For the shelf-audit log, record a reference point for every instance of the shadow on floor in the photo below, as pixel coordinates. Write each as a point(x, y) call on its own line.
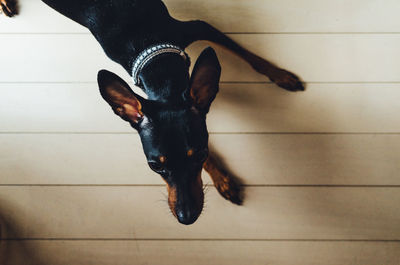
point(13, 249)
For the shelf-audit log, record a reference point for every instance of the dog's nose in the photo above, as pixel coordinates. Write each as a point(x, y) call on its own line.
point(186, 217)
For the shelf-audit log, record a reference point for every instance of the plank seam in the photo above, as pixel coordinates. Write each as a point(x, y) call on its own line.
point(395, 186)
point(236, 33)
point(211, 133)
point(223, 82)
point(205, 239)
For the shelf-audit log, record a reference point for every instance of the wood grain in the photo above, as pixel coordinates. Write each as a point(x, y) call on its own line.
point(256, 159)
point(240, 16)
point(199, 253)
point(239, 108)
point(290, 213)
point(315, 58)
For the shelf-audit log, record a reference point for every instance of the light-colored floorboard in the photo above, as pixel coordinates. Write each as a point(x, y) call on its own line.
point(142, 213)
point(315, 58)
point(199, 253)
point(239, 108)
point(240, 16)
point(257, 159)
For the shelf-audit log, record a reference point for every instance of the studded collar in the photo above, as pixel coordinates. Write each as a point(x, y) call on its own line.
point(149, 54)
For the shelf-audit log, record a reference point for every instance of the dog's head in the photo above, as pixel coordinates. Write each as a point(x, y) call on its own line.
point(174, 136)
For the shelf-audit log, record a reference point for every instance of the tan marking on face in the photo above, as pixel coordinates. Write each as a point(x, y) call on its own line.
point(196, 189)
point(163, 159)
point(190, 152)
point(172, 199)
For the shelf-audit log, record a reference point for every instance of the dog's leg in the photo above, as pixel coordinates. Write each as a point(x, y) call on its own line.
point(226, 185)
point(8, 7)
point(200, 30)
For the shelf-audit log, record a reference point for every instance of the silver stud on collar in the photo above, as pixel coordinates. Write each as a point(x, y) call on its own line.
point(149, 54)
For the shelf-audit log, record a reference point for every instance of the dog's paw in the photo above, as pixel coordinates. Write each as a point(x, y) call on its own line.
point(287, 80)
point(230, 190)
point(8, 7)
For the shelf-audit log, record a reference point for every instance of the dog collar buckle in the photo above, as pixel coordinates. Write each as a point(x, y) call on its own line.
point(149, 54)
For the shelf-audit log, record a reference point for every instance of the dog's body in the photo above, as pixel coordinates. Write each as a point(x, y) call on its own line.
point(171, 122)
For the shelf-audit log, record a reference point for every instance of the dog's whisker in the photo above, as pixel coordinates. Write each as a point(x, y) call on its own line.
point(206, 188)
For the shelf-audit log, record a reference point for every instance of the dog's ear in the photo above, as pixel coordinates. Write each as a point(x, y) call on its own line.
point(120, 96)
point(204, 82)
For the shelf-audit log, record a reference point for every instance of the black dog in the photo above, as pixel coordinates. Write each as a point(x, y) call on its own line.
point(142, 37)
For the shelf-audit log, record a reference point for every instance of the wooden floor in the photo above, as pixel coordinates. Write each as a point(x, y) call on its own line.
point(321, 168)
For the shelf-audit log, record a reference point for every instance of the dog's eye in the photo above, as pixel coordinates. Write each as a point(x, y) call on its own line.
point(156, 167)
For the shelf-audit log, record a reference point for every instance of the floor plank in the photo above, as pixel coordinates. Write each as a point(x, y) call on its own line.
point(198, 253)
point(315, 58)
point(290, 213)
point(239, 108)
point(240, 16)
point(257, 159)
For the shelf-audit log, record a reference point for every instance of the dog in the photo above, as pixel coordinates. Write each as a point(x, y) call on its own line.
point(141, 36)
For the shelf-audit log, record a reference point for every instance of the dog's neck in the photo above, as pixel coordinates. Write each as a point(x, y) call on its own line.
point(149, 54)
point(165, 78)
